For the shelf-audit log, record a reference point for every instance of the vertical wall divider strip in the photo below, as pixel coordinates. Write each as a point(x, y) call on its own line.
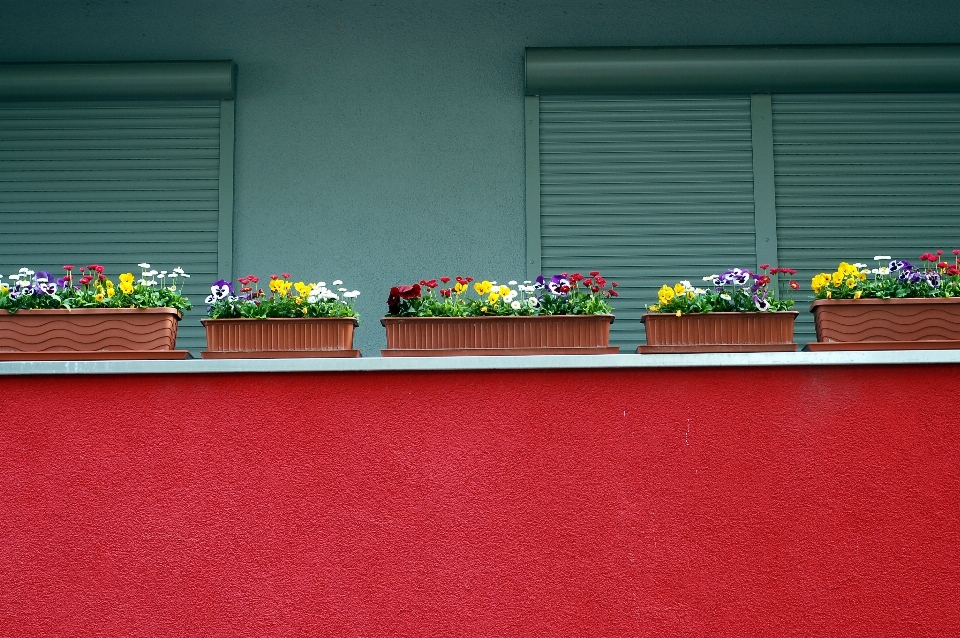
point(764, 192)
point(225, 216)
point(532, 118)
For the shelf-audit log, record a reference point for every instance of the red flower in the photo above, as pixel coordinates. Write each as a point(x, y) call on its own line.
point(595, 288)
point(575, 277)
point(445, 280)
point(588, 282)
point(68, 268)
point(791, 271)
point(953, 271)
point(942, 264)
point(957, 251)
point(444, 292)
point(594, 272)
point(614, 284)
point(243, 280)
point(85, 280)
point(763, 280)
point(600, 281)
point(939, 252)
point(423, 282)
point(469, 279)
point(272, 277)
point(795, 285)
point(102, 277)
point(764, 266)
point(253, 279)
point(408, 292)
point(564, 288)
point(285, 275)
point(613, 293)
point(432, 284)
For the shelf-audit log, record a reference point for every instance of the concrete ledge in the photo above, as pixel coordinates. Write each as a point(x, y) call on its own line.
point(377, 364)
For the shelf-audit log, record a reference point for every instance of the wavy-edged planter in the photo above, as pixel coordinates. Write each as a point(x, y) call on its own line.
point(886, 324)
point(719, 332)
point(280, 338)
point(483, 336)
point(89, 334)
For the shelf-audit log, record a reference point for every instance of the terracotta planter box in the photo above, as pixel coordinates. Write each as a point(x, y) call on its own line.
point(886, 324)
point(473, 336)
point(719, 332)
point(279, 338)
point(89, 333)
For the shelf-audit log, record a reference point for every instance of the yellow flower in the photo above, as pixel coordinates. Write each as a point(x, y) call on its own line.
point(504, 291)
point(493, 297)
point(302, 289)
point(837, 278)
point(304, 311)
point(459, 288)
point(4, 288)
point(851, 282)
point(690, 295)
point(678, 288)
point(300, 301)
point(829, 294)
point(483, 287)
point(110, 291)
point(99, 297)
point(818, 282)
point(679, 313)
point(483, 309)
point(857, 294)
point(126, 278)
point(666, 294)
point(279, 286)
point(654, 308)
point(126, 287)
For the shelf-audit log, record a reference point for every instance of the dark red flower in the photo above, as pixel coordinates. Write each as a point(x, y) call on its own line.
point(253, 279)
point(575, 277)
point(68, 267)
point(272, 277)
point(102, 277)
point(614, 284)
point(588, 282)
point(764, 266)
point(432, 284)
point(939, 252)
point(600, 281)
point(564, 288)
point(953, 271)
point(423, 282)
point(595, 288)
point(445, 280)
point(942, 264)
point(613, 293)
point(795, 285)
point(408, 292)
point(469, 279)
point(594, 272)
point(85, 280)
point(444, 292)
point(956, 251)
point(285, 275)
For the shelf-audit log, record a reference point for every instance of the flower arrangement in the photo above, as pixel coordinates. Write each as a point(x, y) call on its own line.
point(563, 294)
point(252, 302)
point(891, 279)
point(736, 290)
point(31, 290)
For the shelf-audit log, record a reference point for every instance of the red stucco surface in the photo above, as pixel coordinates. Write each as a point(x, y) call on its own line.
point(819, 501)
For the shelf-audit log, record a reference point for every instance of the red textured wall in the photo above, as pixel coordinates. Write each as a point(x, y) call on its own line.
point(683, 502)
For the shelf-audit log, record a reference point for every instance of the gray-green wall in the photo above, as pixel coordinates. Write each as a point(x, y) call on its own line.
point(379, 142)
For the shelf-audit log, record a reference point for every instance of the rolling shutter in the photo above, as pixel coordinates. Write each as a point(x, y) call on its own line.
point(648, 190)
point(860, 175)
point(115, 183)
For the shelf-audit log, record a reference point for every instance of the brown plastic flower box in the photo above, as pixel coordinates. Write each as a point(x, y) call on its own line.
point(886, 324)
point(486, 336)
point(89, 334)
point(719, 332)
point(280, 338)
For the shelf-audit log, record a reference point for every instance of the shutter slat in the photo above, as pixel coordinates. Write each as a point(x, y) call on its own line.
point(859, 175)
point(648, 190)
point(116, 184)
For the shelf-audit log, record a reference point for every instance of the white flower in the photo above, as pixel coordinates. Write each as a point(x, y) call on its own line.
point(321, 284)
point(144, 265)
point(527, 281)
point(163, 273)
point(24, 271)
point(511, 283)
point(178, 270)
point(337, 282)
point(515, 305)
point(883, 258)
point(533, 301)
point(14, 277)
point(710, 277)
point(151, 273)
point(699, 291)
point(725, 296)
point(860, 266)
point(510, 296)
point(352, 294)
point(185, 275)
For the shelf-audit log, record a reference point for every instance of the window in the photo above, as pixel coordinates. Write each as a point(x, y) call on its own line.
point(119, 164)
point(656, 165)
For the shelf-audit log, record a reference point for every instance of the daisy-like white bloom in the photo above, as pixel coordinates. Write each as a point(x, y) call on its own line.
point(144, 265)
point(511, 283)
point(352, 294)
point(533, 301)
point(515, 305)
point(337, 283)
point(725, 297)
point(883, 258)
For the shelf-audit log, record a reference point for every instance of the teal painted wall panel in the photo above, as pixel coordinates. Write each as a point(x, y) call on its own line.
point(381, 142)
